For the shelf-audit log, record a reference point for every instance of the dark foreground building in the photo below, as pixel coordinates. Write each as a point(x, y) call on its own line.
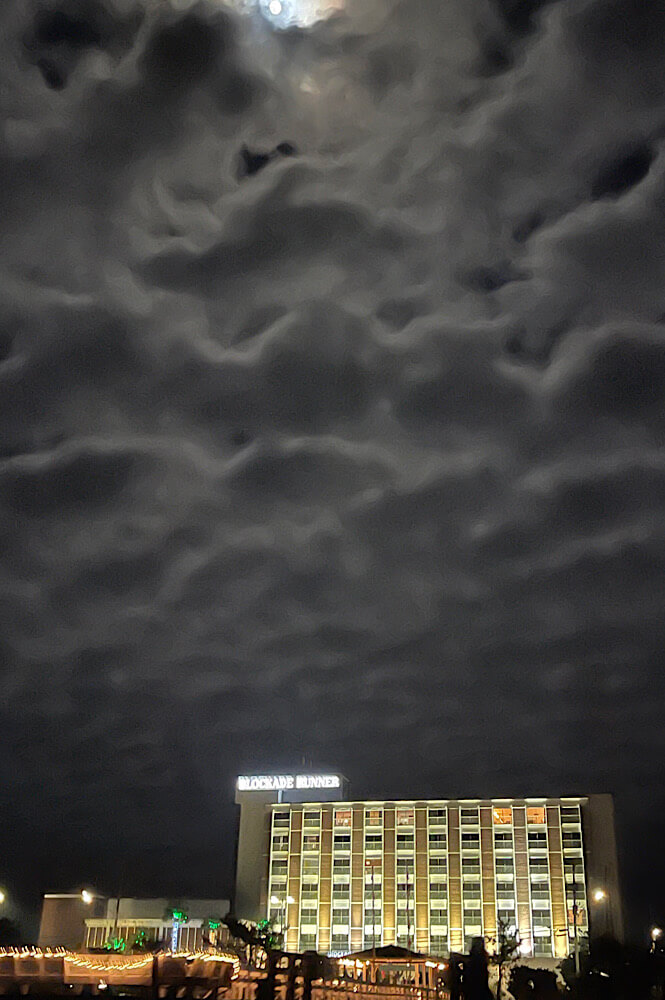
point(340, 875)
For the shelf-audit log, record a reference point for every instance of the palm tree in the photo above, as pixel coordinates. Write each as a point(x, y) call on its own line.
point(508, 944)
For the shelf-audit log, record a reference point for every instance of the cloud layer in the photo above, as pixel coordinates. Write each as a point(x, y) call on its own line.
point(357, 459)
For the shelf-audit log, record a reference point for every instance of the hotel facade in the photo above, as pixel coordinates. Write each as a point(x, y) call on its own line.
point(340, 876)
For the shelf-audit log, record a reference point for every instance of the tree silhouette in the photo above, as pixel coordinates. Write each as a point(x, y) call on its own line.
point(507, 946)
point(532, 984)
point(613, 971)
point(475, 983)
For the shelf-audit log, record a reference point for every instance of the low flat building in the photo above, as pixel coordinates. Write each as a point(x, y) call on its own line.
point(200, 923)
point(343, 875)
point(88, 921)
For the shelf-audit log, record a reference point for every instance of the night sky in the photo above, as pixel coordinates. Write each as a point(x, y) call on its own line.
point(356, 458)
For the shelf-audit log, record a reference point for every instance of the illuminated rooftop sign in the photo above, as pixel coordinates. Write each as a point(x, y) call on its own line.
point(283, 782)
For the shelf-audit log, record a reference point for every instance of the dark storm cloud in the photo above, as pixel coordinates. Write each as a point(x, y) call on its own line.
point(359, 457)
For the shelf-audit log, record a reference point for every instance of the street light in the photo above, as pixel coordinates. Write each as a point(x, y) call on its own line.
point(599, 895)
point(3, 897)
point(87, 896)
point(656, 933)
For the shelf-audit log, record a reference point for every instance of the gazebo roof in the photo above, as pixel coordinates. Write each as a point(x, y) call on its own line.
point(387, 953)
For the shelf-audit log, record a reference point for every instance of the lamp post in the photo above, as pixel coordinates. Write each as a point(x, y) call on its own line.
point(656, 934)
point(3, 896)
point(373, 863)
point(599, 897)
point(576, 939)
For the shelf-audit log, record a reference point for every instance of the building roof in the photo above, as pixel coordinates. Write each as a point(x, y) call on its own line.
point(388, 953)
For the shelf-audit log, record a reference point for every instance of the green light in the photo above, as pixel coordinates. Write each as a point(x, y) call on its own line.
point(115, 944)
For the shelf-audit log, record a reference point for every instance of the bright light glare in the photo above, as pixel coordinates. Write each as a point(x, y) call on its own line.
point(599, 895)
point(86, 896)
point(275, 900)
point(292, 13)
point(656, 932)
point(290, 899)
point(2, 896)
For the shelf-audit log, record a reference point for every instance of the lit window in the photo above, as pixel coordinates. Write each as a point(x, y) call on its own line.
point(535, 815)
point(404, 817)
point(343, 817)
point(503, 816)
point(373, 817)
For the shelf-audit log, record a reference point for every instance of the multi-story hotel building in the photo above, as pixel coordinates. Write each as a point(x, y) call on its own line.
point(340, 876)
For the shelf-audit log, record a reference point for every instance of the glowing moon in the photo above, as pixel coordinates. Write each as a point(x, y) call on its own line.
point(299, 13)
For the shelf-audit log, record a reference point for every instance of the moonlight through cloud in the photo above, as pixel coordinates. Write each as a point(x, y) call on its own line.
point(332, 385)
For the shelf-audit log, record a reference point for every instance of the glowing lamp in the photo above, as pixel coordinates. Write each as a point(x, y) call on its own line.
point(87, 897)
